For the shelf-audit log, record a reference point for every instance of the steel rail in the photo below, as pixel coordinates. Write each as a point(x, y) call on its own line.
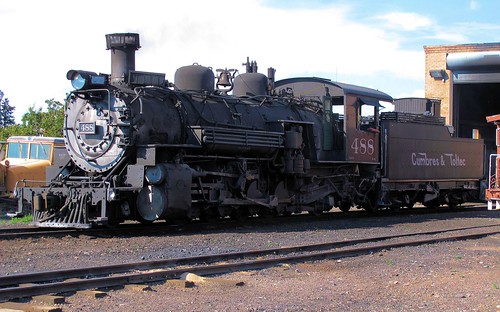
point(158, 275)
point(29, 232)
point(19, 232)
point(34, 277)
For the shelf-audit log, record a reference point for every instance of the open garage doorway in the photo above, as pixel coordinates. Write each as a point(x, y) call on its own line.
point(472, 102)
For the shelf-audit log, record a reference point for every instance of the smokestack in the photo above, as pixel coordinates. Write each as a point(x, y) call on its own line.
point(123, 47)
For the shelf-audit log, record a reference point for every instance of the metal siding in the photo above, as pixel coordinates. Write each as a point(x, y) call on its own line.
point(410, 105)
point(416, 152)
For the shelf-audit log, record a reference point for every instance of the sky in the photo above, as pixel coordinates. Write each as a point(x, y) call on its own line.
point(376, 44)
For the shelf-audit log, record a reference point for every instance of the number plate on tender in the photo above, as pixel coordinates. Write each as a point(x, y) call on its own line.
point(86, 127)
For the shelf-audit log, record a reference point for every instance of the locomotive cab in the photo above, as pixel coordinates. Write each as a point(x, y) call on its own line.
point(350, 125)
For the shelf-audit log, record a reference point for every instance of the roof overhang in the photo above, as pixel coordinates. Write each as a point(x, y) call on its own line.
point(346, 88)
point(474, 67)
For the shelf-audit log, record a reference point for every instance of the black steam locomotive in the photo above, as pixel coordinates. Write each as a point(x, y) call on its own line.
point(145, 149)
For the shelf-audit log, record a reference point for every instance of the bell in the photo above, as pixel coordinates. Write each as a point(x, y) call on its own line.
point(224, 79)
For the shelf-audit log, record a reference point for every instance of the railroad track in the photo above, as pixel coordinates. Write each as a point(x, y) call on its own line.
point(70, 280)
point(20, 232)
point(164, 228)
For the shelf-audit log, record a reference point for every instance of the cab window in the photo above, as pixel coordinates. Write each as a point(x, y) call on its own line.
point(17, 150)
point(367, 111)
point(40, 151)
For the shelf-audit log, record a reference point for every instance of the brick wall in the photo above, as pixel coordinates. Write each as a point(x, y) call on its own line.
point(435, 58)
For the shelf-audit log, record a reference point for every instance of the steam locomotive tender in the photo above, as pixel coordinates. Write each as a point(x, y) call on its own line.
point(145, 149)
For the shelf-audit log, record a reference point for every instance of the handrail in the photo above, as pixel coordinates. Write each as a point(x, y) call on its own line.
point(490, 176)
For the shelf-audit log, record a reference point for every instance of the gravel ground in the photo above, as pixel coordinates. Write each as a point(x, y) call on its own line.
point(451, 276)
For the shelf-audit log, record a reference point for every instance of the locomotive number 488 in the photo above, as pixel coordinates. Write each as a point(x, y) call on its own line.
point(363, 146)
point(87, 127)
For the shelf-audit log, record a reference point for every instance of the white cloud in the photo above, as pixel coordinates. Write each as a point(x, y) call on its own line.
point(405, 21)
point(449, 35)
point(414, 93)
point(474, 5)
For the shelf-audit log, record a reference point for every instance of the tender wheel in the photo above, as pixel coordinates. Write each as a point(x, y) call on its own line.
point(408, 202)
point(453, 200)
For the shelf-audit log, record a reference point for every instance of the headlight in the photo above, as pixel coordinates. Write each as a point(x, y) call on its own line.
point(84, 79)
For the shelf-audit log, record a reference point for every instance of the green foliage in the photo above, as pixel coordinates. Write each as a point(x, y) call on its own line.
point(38, 122)
point(6, 113)
point(53, 120)
point(47, 123)
point(25, 219)
point(13, 130)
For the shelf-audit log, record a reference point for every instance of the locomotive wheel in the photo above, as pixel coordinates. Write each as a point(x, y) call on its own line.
point(345, 206)
point(267, 213)
point(112, 224)
point(396, 208)
point(209, 215)
point(370, 204)
point(281, 210)
point(317, 208)
point(316, 212)
point(370, 208)
point(178, 221)
point(143, 221)
point(239, 214)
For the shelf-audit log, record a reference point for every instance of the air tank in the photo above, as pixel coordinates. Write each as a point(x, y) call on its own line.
point(194, 78)
point(250, 84)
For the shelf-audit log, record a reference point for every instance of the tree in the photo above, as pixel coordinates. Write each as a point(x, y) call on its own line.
point(6, 112)
point(49, 123)
point(12, 130)
point(37, 122)
point(54, 118)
